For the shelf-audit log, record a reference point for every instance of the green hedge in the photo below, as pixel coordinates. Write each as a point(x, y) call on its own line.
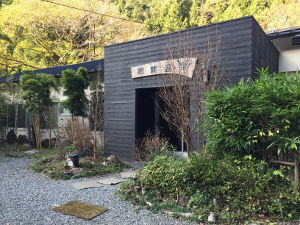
point(259, 117)
point(245, 189)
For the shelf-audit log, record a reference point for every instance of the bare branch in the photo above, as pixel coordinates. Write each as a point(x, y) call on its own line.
point(181, 98)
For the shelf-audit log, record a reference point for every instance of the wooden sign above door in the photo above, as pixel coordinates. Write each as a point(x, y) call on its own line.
point(182, 66)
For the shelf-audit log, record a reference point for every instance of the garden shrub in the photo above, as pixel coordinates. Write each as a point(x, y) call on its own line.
point(246, 126)
point(244, 189)
point(259, 117)
point(164, 176)
point(149, 146)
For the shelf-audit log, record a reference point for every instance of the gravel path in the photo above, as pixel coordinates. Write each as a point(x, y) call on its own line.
point(28, 198)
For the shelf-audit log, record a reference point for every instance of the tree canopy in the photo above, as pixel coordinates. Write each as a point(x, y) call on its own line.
point(170, 15)
point(74, 89)
point(39, 34)
point(35, 91)
point(36, 34)
point(36, 94)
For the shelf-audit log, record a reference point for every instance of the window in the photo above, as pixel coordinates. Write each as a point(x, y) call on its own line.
point(53, 117)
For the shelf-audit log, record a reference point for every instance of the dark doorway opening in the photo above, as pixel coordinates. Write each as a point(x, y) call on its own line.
point(148, 118)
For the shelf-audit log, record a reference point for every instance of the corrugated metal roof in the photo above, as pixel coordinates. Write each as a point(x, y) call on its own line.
point(296, 39)
point(285, 32)
point(91, 66)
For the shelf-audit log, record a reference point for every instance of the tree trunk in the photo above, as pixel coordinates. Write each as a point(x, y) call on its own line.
point(72, 125)
point(296, 165)
point(6, 119)
point(35, 122)
point(38, 131)
point(188, 147)
point(50, 130)
point(16, 118)
point(95, 140)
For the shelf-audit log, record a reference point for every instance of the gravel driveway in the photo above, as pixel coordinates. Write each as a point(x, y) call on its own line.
point(28, 198)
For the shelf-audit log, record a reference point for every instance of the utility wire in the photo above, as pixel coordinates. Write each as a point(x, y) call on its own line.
point(94, 12)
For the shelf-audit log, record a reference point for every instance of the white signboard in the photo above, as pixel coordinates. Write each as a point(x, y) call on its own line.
point(182, 66)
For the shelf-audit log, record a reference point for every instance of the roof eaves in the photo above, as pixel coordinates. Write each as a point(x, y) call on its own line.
point(91, 66)
point(285, 32)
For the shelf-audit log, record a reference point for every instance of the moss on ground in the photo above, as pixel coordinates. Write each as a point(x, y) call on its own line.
point(49, 162)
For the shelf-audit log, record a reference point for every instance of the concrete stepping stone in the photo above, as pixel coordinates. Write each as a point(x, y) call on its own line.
point(85, 185)
point(31, 152)
point(111, 181)
point(128, 174)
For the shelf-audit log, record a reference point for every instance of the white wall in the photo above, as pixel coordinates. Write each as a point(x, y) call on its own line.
point(289, 55)
point(289, 60)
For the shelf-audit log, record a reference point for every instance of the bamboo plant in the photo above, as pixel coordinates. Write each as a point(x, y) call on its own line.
point(35, 92)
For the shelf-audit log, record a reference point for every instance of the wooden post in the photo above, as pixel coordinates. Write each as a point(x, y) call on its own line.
point(296, 168)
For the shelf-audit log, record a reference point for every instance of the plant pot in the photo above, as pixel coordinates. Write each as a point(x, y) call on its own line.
point(75, 159)
point(181, 155)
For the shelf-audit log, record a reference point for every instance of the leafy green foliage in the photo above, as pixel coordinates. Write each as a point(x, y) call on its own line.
point(5, 2)
point(36, 35)
point(35, 91)
point(42, 34)
point(259, 117)
point(71, 149)
point(244, 189)
point(170, 15)
point(74, 88)
point(165, 176)
point(55, 169)
point(246, 124)
point(50, 163)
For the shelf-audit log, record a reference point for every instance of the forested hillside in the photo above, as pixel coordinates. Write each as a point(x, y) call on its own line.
point(37, 33)
point(171, 15)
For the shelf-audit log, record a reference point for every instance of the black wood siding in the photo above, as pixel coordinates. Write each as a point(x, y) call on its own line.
point(243, 47)
point(264, 53)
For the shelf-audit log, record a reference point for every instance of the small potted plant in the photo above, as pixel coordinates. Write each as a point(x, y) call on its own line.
point(73, 156)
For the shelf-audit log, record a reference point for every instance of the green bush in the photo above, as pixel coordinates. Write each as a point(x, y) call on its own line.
point(244, 189)
point(54, 167)
point(259, 117)
point(247, 125)
point(164, 175)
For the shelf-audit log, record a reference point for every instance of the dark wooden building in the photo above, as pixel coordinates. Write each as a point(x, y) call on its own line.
point(243, 47)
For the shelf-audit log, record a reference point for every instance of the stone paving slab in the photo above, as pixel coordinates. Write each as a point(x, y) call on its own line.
point(86, 185)
point(111, 181)
point(31, 152)
point(28, 198)
point(128, 174)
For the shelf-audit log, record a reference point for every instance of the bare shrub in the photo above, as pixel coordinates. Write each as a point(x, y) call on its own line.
point(96, 114)
point(194, 68)
point(148, 146)
point(82, 134)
